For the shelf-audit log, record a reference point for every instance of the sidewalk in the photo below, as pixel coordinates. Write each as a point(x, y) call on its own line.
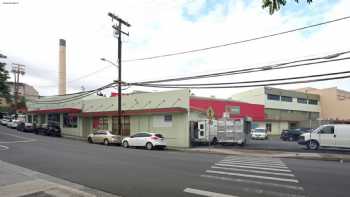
point(16, 181)
point(268, 153)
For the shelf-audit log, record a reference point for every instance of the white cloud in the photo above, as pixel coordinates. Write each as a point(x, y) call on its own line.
point(30, 34)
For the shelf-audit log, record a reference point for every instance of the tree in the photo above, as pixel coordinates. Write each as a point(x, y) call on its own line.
point(275, 5)
point(4, 76)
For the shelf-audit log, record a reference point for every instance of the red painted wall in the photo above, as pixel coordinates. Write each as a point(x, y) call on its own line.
point(246, 109)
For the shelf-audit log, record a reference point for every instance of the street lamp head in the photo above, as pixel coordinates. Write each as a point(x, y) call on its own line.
point(103, 59)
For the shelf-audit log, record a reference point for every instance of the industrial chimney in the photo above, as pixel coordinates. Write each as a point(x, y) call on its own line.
point(62, 68)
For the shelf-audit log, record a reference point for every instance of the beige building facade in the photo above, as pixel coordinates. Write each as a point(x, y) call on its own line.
point(284, 109)
point(335, 103)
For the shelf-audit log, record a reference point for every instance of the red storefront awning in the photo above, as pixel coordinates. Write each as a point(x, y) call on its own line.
point(60, 110)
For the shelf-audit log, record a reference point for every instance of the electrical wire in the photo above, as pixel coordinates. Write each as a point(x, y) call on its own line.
point(211, 47)
point(237, 42)
point(248, 86)
point(256, 69)
point(247, 82)
point(78, 95)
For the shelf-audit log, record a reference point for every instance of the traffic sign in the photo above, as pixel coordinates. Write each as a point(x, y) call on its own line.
point(210, 113)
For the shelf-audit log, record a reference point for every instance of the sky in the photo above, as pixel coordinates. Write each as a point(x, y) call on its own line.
point(30, 31)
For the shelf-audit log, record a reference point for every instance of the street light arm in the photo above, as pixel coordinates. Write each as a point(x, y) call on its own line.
point(106, 60)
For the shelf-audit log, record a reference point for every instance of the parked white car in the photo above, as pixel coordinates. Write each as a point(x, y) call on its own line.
point(145, 139)
point(259, 133)
point(4, 121)
point(105, 137)
point(13, 124)
point(331, 135)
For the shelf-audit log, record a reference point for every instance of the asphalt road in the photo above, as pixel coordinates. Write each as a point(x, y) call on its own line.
point(138, 172)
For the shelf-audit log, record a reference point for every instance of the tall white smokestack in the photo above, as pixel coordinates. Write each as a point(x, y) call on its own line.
point(62, 68)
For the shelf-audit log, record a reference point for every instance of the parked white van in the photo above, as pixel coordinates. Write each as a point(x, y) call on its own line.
point(330, 135)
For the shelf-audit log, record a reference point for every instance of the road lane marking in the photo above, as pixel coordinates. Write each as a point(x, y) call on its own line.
point(247, 181)
point(206, 193)
point(253, 167)
point(251, 164)
point(257, 162)
point(253, 171)
point(252, 176)
point(16, 141)
point(4, 147)
point(253, 157)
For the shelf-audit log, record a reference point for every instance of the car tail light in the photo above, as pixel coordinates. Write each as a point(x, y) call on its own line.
point(155, 138)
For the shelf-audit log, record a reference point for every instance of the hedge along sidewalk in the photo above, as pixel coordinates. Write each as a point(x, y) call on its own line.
point(18, 181)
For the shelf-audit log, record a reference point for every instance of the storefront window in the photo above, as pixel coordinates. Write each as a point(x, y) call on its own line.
point(125, 126)
point(35, 119)
point(54, 118)
point(30, 120)
point(42, 119)
point(70, 120)
point(100, 123)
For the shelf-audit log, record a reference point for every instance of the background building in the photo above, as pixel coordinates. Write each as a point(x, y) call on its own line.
point(24, 90)
point(335, 104)
point(284, 109)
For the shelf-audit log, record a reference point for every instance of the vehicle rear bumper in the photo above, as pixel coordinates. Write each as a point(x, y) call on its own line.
point(159, 144)
point(258, 137)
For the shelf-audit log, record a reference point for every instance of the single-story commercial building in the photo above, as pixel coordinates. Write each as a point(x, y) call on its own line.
point(168, 113)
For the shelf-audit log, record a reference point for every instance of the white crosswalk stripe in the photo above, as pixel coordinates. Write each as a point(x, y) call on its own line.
point(254, 173)
point(253, 167)
point(252, 176)
point(206, 193)
point(251, 164)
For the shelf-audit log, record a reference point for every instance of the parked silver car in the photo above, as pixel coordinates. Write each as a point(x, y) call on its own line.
point(105, 137)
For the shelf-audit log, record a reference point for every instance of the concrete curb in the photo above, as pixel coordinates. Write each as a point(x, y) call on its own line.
point(269, 153)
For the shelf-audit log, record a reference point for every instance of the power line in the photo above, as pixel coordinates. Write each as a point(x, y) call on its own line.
point(237, 42)
point(211, 47)
point(78, 95)
point(283, 65)
point(254, 85)
point(247, 82)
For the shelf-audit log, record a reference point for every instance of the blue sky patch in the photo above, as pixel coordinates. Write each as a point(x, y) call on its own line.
point(209, 5)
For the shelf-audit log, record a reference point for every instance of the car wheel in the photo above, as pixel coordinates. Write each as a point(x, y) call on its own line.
point(106, 142)
point(90, 140)
point(291, 138)
point(312, 145)
point(125, 144)
point(149, 146)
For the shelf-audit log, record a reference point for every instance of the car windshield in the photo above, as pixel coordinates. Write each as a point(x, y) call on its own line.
point(259, 130)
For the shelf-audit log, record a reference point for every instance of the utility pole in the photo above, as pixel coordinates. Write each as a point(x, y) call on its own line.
point(118, 32)
point(17, 70)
